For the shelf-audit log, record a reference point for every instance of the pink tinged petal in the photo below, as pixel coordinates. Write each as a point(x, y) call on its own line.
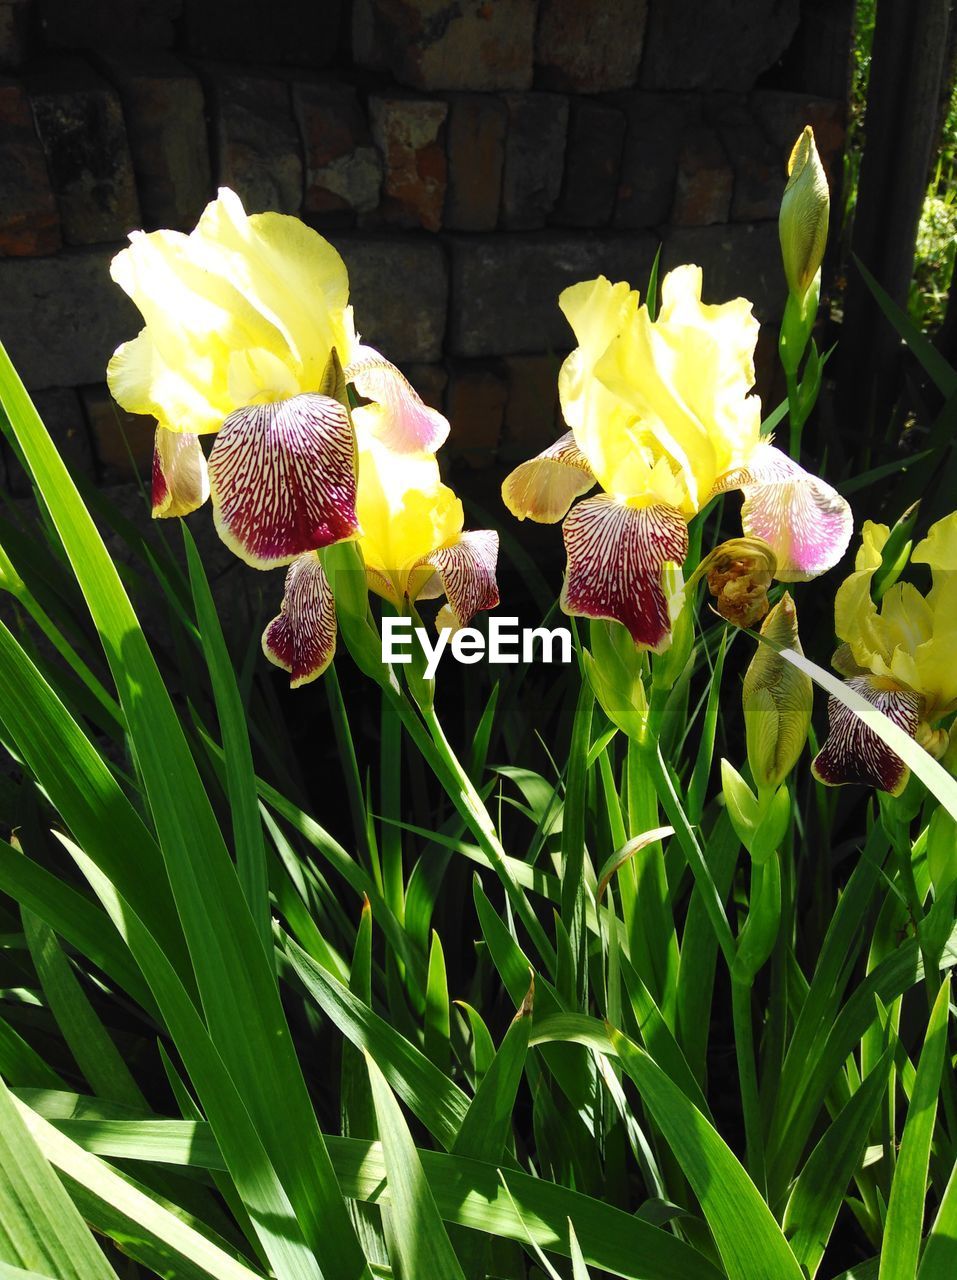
point(399, 417)
point(854, 753)
point(180, 478)
point(543, 488)
point(615, 558)
point(302, 639)
point(805, 522)
point(283, 479)
point(466, 569)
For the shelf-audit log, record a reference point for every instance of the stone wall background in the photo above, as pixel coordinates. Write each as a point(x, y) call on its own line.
point(469, 158)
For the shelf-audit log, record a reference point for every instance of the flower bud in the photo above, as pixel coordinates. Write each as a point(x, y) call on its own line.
point(739, 573)
point(802, 223)
point(777, 700)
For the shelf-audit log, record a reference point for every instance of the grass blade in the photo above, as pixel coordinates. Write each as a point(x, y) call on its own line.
point(905, 1209)
point(40, 1228)
point(413, 1225)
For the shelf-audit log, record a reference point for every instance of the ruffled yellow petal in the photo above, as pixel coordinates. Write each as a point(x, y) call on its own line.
point(240, 311)
point(939, 548)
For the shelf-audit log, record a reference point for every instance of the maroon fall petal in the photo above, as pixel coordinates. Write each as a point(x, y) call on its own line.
point(283, 479)
point(852, 752)
point(302, 638)
point(615, 558)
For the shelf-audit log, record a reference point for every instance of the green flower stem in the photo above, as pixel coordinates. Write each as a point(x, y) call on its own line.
point(651, 933)
point(469, 803)
point(795, 416)
point(350, 766)
point(694, 854)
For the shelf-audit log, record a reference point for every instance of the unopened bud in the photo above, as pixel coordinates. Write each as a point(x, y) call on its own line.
point(802, 224)
point(777, 700)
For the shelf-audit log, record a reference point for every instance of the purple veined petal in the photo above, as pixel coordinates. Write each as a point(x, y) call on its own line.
point(398, 417)
point(283, 479)
point(180, 481)
point(805, 522)
point(543, 488)
point(302, 638)
point(615, 558)
point(466, 569)
point(853, 753)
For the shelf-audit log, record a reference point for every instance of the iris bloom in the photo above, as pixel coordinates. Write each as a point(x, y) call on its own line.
point(900, 656)
point(662, 419)
point(241, 319)
point(413, 546)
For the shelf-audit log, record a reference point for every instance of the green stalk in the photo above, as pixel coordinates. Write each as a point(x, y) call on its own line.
point(467, 800)
point(794, 414)
point(651, 940)
point(350, 768)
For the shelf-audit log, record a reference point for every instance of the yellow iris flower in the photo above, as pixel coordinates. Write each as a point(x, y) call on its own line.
point(242, 317)
point(663, 418)
point(249, 336)
point(899, 655)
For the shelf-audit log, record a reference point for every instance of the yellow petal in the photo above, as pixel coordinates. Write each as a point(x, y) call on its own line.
point(939, 548)
point(687, 376)
point(240, 311)
point(405, 511)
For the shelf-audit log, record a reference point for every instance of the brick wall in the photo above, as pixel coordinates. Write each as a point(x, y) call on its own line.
point(469, 158)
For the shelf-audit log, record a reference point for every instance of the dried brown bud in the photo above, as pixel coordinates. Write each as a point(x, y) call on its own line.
point(739, 574)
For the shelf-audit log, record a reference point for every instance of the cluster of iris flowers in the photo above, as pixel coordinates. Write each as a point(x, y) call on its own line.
point(318, 439)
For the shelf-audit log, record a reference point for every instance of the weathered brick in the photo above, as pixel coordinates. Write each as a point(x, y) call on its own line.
point(534, 158)
point(122, 442)
point(399, 288)
point(80, 123)
point(656, 124)
point(63, 416)
point(62, 318)
point(505, 287)
point(596, 133)
point(302, 33)
point(784, 115)
point(705, 181)
point(14, 15)
point(711, 44)
point(166, 127)
point(531, 411)
point(431, 44)
point(739, 260)
point(410, 133)
point(589, 46)
point(368, 50)
point(108, 24)
point(476, 154)
point(759, 173)
point(29, 222)
point(256, 139)
point(343, 168)
point(476, 409)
